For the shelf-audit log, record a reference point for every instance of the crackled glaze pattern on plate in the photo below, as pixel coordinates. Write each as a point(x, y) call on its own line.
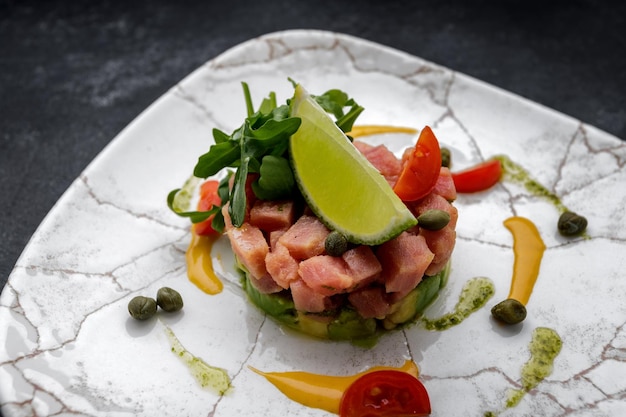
point(69, 346)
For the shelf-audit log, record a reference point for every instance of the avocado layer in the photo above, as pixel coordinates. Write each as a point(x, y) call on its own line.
point(346, 323)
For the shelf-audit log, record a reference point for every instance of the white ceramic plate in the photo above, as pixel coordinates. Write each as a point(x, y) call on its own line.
point(69, 346)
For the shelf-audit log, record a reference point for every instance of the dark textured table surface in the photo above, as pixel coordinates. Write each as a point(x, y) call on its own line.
point(73, 74)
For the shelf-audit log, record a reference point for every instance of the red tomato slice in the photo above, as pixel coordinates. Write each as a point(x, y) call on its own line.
point(386, 393)
point(421, 168)
point(208, 198)
point(479, 177)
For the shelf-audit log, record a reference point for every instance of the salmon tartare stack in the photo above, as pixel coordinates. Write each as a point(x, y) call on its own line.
point(281, 249)
point(335, 237)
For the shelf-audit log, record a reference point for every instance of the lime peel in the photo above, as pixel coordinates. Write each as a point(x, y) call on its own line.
point(339, 184)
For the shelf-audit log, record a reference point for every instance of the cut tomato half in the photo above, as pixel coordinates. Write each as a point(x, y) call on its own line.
point(479, 177)
point(385, 394)
point(421, 168)
point(208, 198)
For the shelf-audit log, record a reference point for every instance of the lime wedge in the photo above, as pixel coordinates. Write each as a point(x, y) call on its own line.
point(341, 187)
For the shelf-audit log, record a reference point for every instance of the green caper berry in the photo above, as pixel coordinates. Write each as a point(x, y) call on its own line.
point(142, 308)
point(433, 219)
point(446, 157)
point(335, 244)
point(571, 224)
point(169, 300)
point(509, 311)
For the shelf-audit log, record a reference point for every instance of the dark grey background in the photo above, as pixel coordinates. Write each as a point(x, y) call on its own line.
point(74, 73)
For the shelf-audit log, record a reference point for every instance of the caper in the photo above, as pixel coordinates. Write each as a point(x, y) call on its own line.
point(433, 219)
point(446, 157)
point(169, 300)
point(335, 244)
point(142, 308)
point(509, 311)
point(571, 224)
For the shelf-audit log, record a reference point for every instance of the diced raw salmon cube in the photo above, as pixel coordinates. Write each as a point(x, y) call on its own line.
point(370, 302)
point(325, 274)
point(441, 243)
point(404, 260)
point(265, 284)
point(274, 236)
point(362, 265)
point(305, 299)
point(281, 266)
point(445, 185)
point(382, 159)
point(305, 238)
point(251, 248)
point(272, 215)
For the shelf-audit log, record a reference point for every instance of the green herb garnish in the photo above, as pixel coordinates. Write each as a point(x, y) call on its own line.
point(259, 146)
point(334, 101)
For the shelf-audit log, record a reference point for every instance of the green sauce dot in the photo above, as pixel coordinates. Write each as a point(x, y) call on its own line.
point(544, 347)
point(207, 376)
point(474, 295)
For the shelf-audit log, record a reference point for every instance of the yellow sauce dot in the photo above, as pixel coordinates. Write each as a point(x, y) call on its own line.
point(366, 130)
point(528, 249)
point(200, 265)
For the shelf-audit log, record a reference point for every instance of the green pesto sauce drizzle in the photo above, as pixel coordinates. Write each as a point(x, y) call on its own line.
point(545, 345)
point(207, 376)
point(182, 202)
point(475, 294)
point(515, 173)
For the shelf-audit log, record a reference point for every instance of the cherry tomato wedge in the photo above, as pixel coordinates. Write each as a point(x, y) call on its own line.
point(421, 168)
point(208, 198)
point(479, 177)
point(385, 394)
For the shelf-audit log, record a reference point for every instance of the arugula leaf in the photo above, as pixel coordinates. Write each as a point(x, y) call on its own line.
point(248, 99)
point(238, 199)
point(220, 155)
point(346, 122)
point(268, 104)
point(334, 101)
point(272, 137)
point(218, 223)
point(219, 136)
point(223, 191)
point(276, 181)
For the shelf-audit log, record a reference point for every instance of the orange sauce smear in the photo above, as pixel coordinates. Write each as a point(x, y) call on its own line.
point(366, 130)
point(200, 265)
point(322, 391)
point(528, 248)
